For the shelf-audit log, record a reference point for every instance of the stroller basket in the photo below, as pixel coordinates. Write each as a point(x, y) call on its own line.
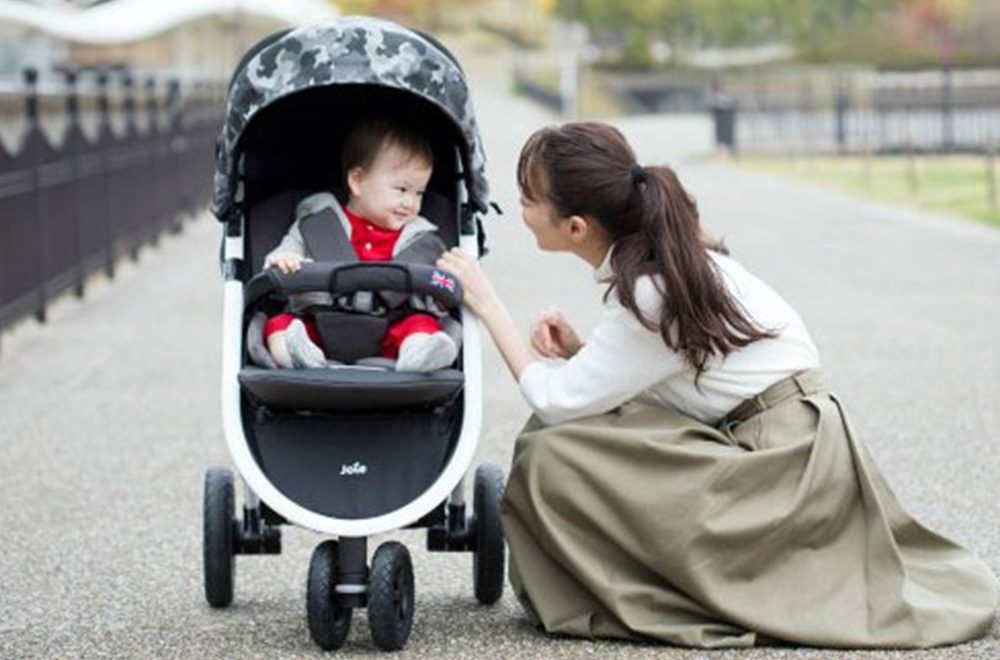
point(353, 466)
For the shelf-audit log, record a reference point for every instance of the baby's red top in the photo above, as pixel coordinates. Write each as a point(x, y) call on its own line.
point(371, 243)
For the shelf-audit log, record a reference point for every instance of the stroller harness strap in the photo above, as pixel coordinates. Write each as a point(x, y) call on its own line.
point(325, 239)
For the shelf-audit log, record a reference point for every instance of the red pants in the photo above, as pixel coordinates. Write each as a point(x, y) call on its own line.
point(394, 335)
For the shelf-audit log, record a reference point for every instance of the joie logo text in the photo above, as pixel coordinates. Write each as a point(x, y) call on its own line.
point(355, 469)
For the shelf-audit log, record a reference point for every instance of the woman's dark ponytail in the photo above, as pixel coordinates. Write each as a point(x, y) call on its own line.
point(588, 169)
point(708, 320)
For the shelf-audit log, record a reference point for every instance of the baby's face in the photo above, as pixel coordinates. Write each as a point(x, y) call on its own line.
point(389, 193)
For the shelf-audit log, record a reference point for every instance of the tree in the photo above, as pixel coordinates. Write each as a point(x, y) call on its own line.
point(812, 26)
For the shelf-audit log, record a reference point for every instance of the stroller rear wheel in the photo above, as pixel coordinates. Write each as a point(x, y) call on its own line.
point(329, 622)
point(218, 533)
point(390, 596)
point(488, 554)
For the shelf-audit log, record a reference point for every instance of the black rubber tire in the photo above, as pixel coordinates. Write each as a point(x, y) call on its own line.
point(329, 623)
point(218, 528)
point(488, 558)
point(390, 596)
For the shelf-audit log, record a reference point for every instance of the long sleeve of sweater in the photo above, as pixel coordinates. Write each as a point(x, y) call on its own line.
point(619, 361)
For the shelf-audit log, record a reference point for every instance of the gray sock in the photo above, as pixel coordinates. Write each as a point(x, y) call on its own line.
point(278, 348)
point(423, 353)
point(304, 353)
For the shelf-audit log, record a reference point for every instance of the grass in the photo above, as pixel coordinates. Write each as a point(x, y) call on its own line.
point(956, 185)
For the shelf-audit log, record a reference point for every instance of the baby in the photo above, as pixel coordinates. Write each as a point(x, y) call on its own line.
point(386, 166)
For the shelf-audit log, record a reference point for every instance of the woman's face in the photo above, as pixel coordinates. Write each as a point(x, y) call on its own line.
point(540, 217)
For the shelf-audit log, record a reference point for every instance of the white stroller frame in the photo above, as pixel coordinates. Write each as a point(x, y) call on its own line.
point(450, 483)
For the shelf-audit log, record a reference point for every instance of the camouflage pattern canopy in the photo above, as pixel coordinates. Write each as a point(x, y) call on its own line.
point(354, 50)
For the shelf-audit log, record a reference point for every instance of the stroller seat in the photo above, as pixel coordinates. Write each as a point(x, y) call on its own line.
point(349, 389)
point(344, 389)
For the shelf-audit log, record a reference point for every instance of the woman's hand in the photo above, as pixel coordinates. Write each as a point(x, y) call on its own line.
point(480, 297)
point(553, 337)
point(477, 291)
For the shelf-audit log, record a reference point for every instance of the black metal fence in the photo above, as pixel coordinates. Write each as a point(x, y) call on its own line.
point(75, 206)
point(941, 111)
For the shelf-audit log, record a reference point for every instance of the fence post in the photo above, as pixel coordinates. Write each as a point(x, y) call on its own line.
point(31, 112)
point(805, 111)
point(177, 147)
point(31, 97)
point(194, 110)
point(174, 105)
point(32, 133)
point(72, 101)
point(843, 102)
point(105, 140)
point(128, 105)
point(151, 107)
point(153, 160)
point(948, 109)
point(72, 128)
point(135, 231)
point(724, 115)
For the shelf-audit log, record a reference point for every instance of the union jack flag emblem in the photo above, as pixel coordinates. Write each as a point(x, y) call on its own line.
point(442, 281)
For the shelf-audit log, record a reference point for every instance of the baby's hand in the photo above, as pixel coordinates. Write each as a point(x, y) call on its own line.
point(286, 262)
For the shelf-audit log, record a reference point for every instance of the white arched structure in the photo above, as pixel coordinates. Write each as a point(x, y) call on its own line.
point(127, 21)
point(200, 39)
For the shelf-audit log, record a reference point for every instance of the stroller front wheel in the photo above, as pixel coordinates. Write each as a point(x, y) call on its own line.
point(329, 622)
point(218, 533)
point(488, 560)
point(390, 596)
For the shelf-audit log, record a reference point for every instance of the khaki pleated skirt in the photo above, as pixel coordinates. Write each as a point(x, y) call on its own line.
point(776, 525)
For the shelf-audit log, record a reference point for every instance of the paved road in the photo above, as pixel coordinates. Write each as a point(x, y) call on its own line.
point(109, 414)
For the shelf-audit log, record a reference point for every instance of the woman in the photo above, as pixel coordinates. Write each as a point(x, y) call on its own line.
point(687, 476)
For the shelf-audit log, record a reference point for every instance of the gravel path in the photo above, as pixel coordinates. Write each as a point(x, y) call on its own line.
point(111, 414)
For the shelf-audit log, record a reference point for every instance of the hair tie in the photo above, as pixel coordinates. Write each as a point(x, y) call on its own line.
point(638, 174)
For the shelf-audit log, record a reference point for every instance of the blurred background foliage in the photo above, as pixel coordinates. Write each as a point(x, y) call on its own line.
point(896, 33)
point(650, 33)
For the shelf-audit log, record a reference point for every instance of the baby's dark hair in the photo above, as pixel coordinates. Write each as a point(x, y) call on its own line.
point(370, 135)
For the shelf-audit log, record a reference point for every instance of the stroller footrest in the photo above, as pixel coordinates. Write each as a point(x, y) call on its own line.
point(349, 389)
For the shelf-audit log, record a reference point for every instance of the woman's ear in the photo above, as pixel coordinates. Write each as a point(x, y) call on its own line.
point(577, 228)
point(355, 176)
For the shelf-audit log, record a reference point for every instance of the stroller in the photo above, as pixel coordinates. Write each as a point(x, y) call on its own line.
point(359, 449)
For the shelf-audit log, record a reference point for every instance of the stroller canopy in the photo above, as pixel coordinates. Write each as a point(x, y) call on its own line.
point(349, 51)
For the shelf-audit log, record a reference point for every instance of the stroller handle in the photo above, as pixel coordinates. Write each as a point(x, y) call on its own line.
point(350, 277)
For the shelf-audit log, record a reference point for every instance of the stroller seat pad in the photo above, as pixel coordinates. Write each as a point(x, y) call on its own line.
point(347, 389)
